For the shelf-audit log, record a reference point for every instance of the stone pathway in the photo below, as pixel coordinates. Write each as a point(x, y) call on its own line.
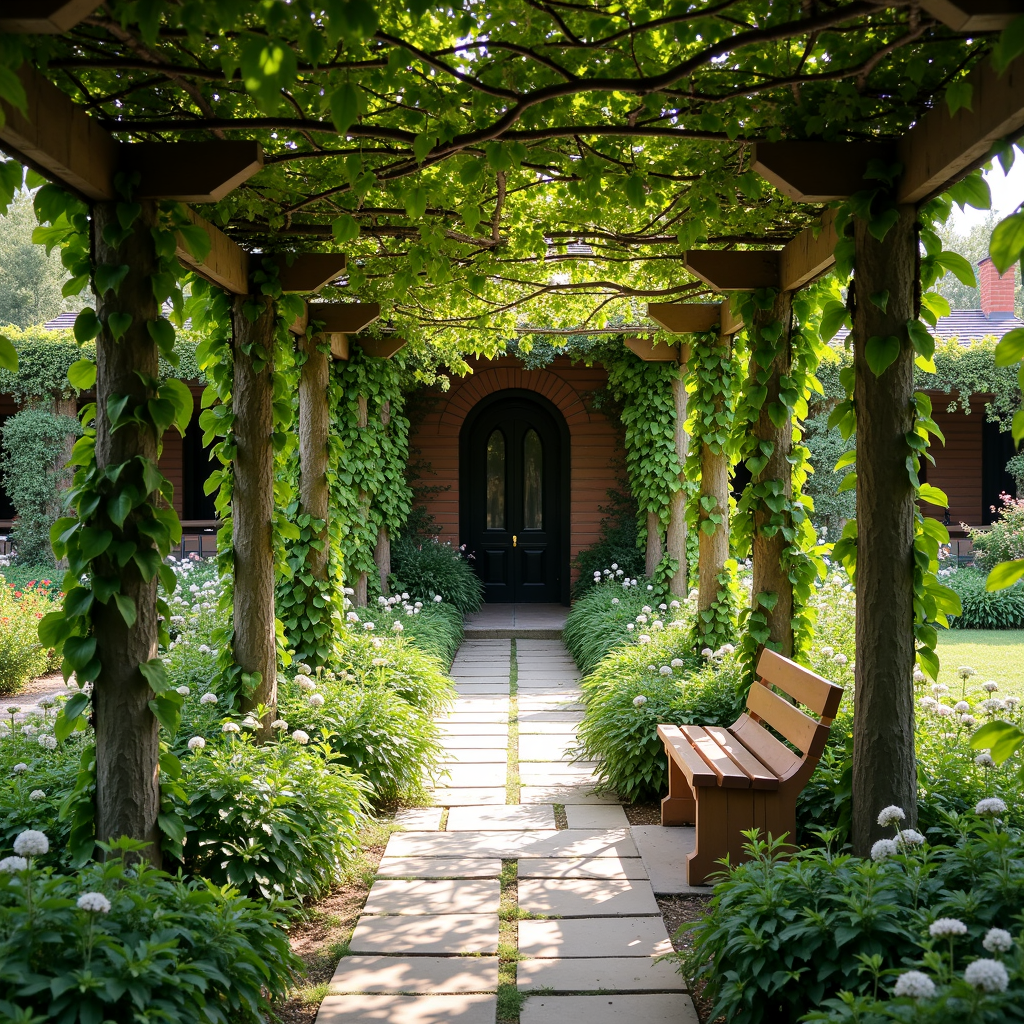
point(489, 866)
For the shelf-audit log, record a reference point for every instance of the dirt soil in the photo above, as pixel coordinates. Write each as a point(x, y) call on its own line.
point(31, 692)
point(677, 911)
point(643, 814)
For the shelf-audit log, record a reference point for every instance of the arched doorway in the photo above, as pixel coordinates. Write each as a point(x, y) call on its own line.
point(514, 497)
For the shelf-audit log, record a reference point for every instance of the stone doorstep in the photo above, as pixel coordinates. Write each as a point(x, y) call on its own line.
point(571, 938)
point(582, 867)
point(392, 1009)
point(481, 667)
point(611, 974)
point(574, 717)
point(534, 728)
point(674, 1008)
point(538, 843)
point(433, 896)
point(421, 975)
point(587, 897)
point(461, 719)
point(439, 867)
point(510, 817)
point(543, 746)
point(468, 796)
point(433, 933)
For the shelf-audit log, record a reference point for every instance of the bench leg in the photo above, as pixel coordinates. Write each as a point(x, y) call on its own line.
point(679, 807)
point(712, 834)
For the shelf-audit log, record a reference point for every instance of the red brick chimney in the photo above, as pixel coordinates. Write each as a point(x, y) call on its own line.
point(996, 290)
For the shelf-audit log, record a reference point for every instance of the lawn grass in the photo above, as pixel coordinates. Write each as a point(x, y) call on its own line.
point(996, 654)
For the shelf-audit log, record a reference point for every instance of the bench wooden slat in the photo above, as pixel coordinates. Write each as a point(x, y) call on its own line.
point(764, 746)
point(804, 686)
point(798, 728)
point(690, 762)
point(761, 777)
point(728, 772)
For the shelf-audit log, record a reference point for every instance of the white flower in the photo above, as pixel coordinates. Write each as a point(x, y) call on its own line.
point(641, 619)
point(646, 610)
point(991, 686)
point(985, 760)
point(639, 700)
point(418, 605)
point(208, 698)
point(48, 742)
point(992, 705)
point(316, 700)
point(728, 648)
point(919, 676)
point(20, 768)
point(988, 975)
point(29, 730)
point(649, 586)
point(943, 710)
point(397, 627)
point(890, 815)
point(827, 652)
point(250, 723)
point(961, 707)
point(230, 727)
point(969, 720)
point(991, 805)
point(438, 599)
point(883, 848)
point(939, 689)
point(644, 638)
point(997, 940)
point(674, 606)
point(677, 662)
point(910, 837)
point(946, 927)
point(31, 843)
point(11, 864)
point(183, 690)
point(657, 624)
point(707, 653)
point(965, 671)
point(841, 659)
point(405, 597)
point(352, 617)
point(1011, 702)
point(665, 670)
point(615, 600)
point(915, 984)
point(663, 607)
point(382, 600)
point(305, 683)
point(279, 724)
point(196, 743)
point(46, 702)
point(369, 626)
point(928, 702)
point(300, 737)
point(630, 626)
point(94, 903)
point(37, 794)
point(203, 649)
point(615, 565)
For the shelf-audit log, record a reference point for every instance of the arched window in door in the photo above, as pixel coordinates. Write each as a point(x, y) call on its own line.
point(496, 481)
point(533, 481)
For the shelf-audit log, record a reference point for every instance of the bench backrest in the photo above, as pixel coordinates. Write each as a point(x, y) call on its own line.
point(807, 734)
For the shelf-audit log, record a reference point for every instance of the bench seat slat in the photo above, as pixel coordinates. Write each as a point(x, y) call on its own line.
point(761, 777)
point(765, 747)
point(725, 768)
point(693, 766)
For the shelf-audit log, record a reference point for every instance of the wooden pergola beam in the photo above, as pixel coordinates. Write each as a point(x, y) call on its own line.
point(343, 317)
point(809, 255)
point(380, 348)
point(226, 265)
point(974, 15)
point(734, 270)
point(818, 172)
point(190, 172)
point(651, 352)
point(685, 317)
point(310, 272)
point(43, 17)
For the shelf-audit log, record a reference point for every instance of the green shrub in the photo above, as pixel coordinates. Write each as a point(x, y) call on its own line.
point(157, 948)
point(278, 820)
point(983, 609)
point(22, 656)
point(785, 935)
point(434, 627)
point(425, 569)
point(640, 686)
point(602, 619)
point(1004, 539)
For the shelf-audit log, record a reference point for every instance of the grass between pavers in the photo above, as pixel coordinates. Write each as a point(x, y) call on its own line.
point(512, 771)
point(561, 819)
point(510, 1000)
point(993, 653)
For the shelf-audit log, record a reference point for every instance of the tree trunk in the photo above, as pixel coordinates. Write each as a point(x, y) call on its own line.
point(382, 558)
point(313, 436)
point(884, 770)
point(127, 733)
point(769, 576)
point(654, 549)
point(675, 538)
point(252, 507)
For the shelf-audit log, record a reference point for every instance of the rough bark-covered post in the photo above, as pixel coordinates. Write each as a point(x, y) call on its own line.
point(314, 420)
point(654, 548)
point(252, 505)
point(884, 770)
point(675, 537)
point(769, 576)
point(127, 733)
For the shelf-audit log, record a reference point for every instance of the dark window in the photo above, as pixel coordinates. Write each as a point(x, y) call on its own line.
point(496, 481)
point(196, 467)
point(533, 481)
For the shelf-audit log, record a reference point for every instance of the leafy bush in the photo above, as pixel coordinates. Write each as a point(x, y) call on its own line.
point(273, 821)
point(618, 543)
point(784, 935)
point(154, 947)
point(425, 569)
point(195, 617)
point(983, 609)
point(1004, 539)
point(603, 618)
point(640, 686)
point(434, 627)
point(22, 656)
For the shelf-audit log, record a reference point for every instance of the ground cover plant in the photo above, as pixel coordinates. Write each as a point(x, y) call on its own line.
point(426, 568)
point(982, 608)
point(605, 616)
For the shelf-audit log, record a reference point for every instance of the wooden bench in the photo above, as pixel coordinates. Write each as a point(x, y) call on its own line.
point(728, 780)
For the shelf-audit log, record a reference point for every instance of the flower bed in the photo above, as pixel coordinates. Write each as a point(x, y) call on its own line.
point(22, 656)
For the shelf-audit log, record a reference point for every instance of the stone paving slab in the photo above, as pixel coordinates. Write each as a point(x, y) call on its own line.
point(468, 795)
point(419, 819)
point(471, 741)
point(510, 817)
point(607, 816)
point(583, 937)
point(464, 775)
point(481, 689)
point(483, 667)
point(438, 933)
point(538, 843)
point(439, 867)
point(610, 1009)
point(466, 718)
point(587, 897)
point(581, 793)
point(549, 716)
point(529, 776)
point(664, 852)
point(582, 867)
point(612, 974)
point(433, 896)
point(476, 755)
point(544, 747)
point(450, 727)
point(555, 706)
point(391, 1009)
point(480, 703)
point(416, 974)
point(531, 727)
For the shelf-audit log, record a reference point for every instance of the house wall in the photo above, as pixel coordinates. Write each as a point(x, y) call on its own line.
point(958, 464)
point(596, 455)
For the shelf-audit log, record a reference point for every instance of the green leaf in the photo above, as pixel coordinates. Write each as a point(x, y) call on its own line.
point(416, 202)
point(1009, 45)
point(197, 241)
point(932, 495)
point(82, 374)
point(162, 332)
point(79, 650)
point(118, 507)
point(929, 662)
point(423, 144)
point(155, 673)
point(959, 95)
point(345, 228)
point(268, 66)
point(881, 353)
point(107, 277)
point(1007, 243)
point(126, 606)
point(833, 318)
point(93, 542)
point(54, 629)
point(958, 267)
point(636, 193)
point(172, 826)
point(167, 710)
point(76, 704)
point(8, 356)
point(1001, 739)
point(921, 339)
point(148, 562)
point(118, 324)
point(880, 226)
point(971, 191)
point(87, 326)
point(344, 107)
point(77, 602)
point(1005, 574)
point(880, 299)
point(1010, 349)
point(181, 398)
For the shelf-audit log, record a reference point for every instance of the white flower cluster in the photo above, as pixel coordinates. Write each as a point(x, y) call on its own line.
point(93, 903)
point(946, 928)
point(987, 975)
point(914, 985)
point(31, 843)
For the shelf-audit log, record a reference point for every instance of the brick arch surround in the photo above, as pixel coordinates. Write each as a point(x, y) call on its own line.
point(596, 455)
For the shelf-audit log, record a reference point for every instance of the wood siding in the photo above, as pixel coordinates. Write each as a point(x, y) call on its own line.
point(958, 464)
point(596, 450)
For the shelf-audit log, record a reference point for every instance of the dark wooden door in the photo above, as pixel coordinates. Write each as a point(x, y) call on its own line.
point(513, 502)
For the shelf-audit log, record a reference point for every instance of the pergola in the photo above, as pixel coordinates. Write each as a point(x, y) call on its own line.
point(449, 151)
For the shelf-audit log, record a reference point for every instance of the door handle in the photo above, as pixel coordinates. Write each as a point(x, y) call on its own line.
point(514, 540)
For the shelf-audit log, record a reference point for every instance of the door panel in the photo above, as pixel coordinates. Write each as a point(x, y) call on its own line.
point(511, 501)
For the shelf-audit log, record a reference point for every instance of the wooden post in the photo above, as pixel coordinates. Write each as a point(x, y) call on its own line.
point(654, 548)
point(314, 422)
point(675, 538)
point(252, 505)
point(127, 733)
point(769, 576)
point(884, 769)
